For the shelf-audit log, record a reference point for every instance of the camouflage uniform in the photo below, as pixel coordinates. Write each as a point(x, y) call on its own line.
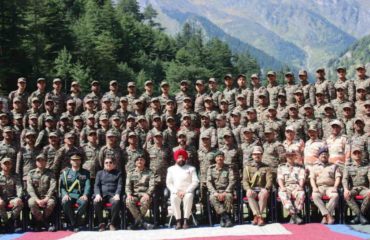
point(91, 164)
point(356, 179)
point(139, 183)
point(41, 184)
point(160, 160)
point(26, 161)
point(291, 175)
point(220, 180)
point(206, 159)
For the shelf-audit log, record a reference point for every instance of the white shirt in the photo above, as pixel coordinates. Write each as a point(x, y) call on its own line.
point(182, 178)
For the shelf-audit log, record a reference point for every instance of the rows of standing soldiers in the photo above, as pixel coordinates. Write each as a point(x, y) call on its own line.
point(298, 116)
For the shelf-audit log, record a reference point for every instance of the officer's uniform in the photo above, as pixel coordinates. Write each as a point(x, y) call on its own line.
point(75, 184)
point(291, 175)
point(220, 180)
point(324, 175)
point(41, 184)
point(257, 177)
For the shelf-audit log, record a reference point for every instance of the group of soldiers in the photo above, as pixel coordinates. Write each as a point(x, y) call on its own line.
point(68, 147)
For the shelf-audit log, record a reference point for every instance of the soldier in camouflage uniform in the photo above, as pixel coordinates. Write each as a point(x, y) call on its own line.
point(325, 179)
point(356, 181)
point(112, 150)
point(249, 142)
point(307, 87)
point(361, 78)
point(26, 157)
point(360, 138)
point(229, 92)
point(58, 97)
point(50, 150)
point(91, 150)
point(324, 86)
point(233, 155)
point(290, 87)
point(75, 188)
point(214, 93)
point(132, 151)
point(273, 88)
point(256, 89)
point(274, 151)
point(41, 186)
point(20, 93)
point(10, 193)
point(206, 156)
point(220, 184)
point(190, 149)
point(199, 97)
point(291, 178)
point(7, 148)
point(95, 94)
point(346, 85)
point(39, 93)
point(140, 186)
point(257, 182)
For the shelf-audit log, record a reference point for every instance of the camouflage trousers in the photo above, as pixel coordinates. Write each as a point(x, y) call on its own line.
point(225, 206)
point(292, 198)
point(138, 211)
point(17, 206)
point(257, 201)
point(333, 202)
point(365, 192)
point(36, 209)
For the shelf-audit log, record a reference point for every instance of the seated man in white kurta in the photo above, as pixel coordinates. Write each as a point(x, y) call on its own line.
point(182, 180)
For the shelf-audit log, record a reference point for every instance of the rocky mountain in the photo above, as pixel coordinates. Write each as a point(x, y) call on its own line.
point(300, 33)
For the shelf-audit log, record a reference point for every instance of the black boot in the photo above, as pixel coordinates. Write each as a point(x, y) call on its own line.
point(147, 226)
point(186, 224)
point(228, 222)
point(363, 220)
point(355, 220)
point(178, 224)
point(222, 220)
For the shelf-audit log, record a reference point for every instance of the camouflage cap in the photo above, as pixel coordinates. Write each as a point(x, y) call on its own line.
point(240, 96)
point(6, 159)
point(235, 113)
point(227, 133)
point(156, 116)
point(254, 75)
point(224, 101)
point(257, 150)
point(55, 80)
point(169, 118)
point(308, 105)
point(103, 117)
point(181, 133)
point(132, 134)
point(367, 102)
point(123, 99)
point(320, 69)
point(105, 99)
point(220, 116)
point(77, 118)
point(292, 106)
point(271, 108)
point(271, 73)
point(41, 80)
point(205, 115)
point(358, 120)
point(35, 99)
point(290, 128)
point(8, 129)
point(269, 130)
point(95, 82)
point(319, 91)
point(48, 100)
point(208, 98)
point(21, 79)
point(228, 76)
point(131, 84)
point(312, 127)
point(155, 99)
point(17, 99)
point(64, 116)
point(361, 87)
point(336, 122)
point(33, 116)
point(328, 106)
point(251, 110)
point(91, 131)
point(302, 72)
point(41, 156)
point(219, 153)
point(164, 83)
point(248, 129)
point(70, 101)
point(53, 134)
point(3, 114)
point(70, 135)
point(140, 118)
point(281, 94)
point(356, 147)
point(111, 133)
point(347, 105)
point(184, 81)
point(169, 101)
point(185, 116)
point(113, 82)
point(131, 117)
point(199, 82)
point(148, 82)
point(49, 118)
point(212, 80)
point(341, 68)
point(205, 135)
point(90, 116)
point(298, 91)
point(88, 99)
point(75, 157)
point(157, 133)
point(115, 117)
point(186, 98)
point(241, 75)
point(339, 87)
point(74, 83)
point(289, 74)
point(30, 133)
point(139, 100)
point(262, 94)
point(139, 156)
point(360, 66)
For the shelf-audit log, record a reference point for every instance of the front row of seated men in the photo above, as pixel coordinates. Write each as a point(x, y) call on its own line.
point(182, 180)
